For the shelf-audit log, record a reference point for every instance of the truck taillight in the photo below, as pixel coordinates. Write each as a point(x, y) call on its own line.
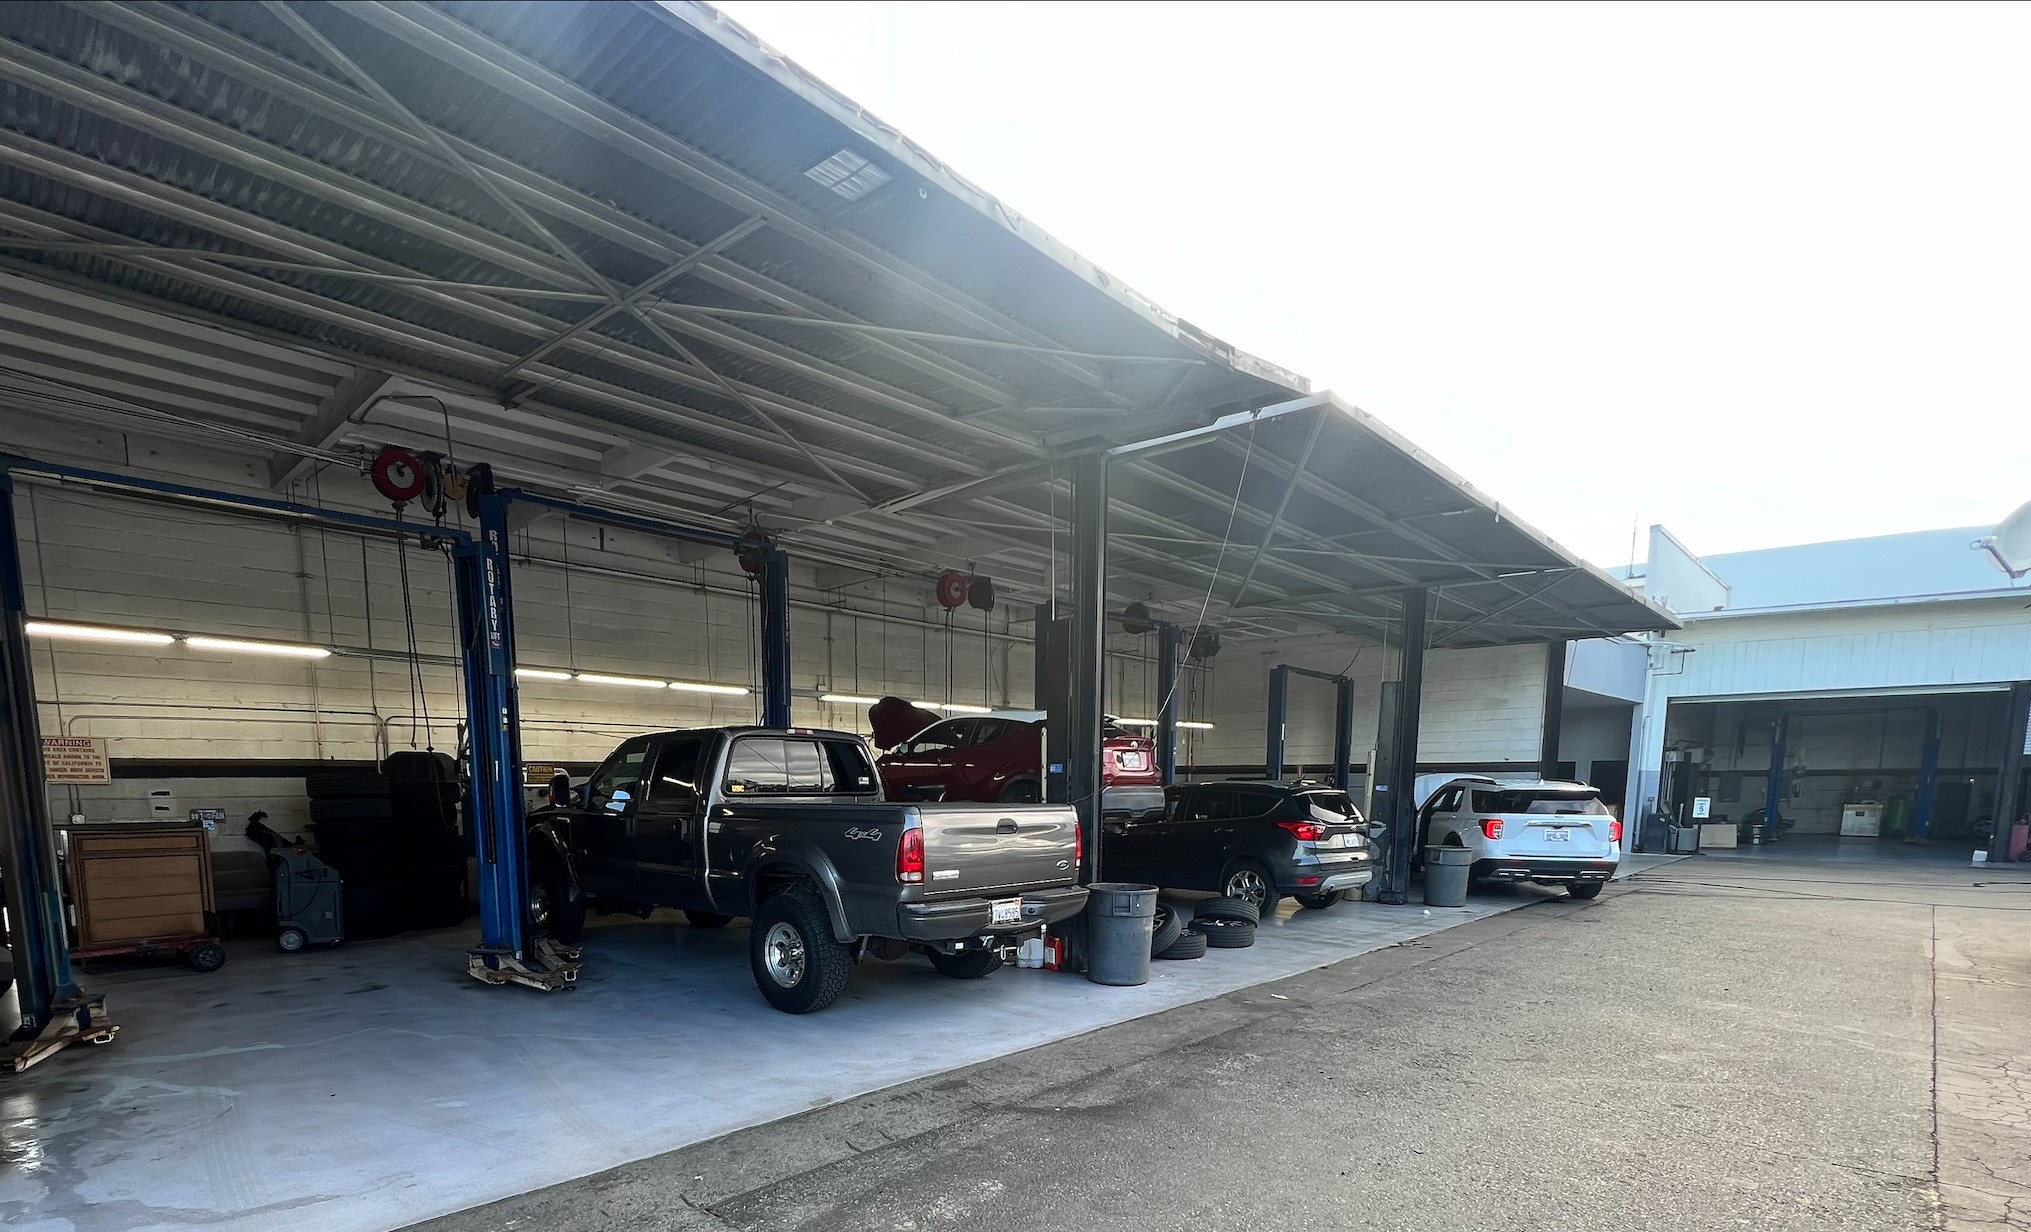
point(1304, 831)
point(910, 855)
point(1491, 827)
point(1079, 845)
point(1615, 830)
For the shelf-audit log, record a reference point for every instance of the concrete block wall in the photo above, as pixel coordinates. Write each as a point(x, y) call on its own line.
point(1482, 706)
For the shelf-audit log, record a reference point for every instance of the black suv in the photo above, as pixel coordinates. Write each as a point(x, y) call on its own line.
point(1256, 841)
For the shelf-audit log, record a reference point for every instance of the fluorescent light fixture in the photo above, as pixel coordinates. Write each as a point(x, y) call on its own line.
point(233, 645)
point(849, 175)
point(1137, 722)
point(1191, 725)
point(847, 699)
point(963, 708)
point(96, 633)
point(692, 686)
point(633, 682)
point(541, 673)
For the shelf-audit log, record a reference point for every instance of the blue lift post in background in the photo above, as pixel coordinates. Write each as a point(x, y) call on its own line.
point(1928, 775)
point(1279, 716)
point(486, 633)
point(1773, 790)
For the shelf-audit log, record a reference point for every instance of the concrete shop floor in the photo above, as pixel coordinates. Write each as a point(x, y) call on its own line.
point(371, 1086)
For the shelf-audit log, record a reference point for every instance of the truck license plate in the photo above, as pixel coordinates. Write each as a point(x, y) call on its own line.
point(1008, 911)
point(1133, 761)
point(1557, 834)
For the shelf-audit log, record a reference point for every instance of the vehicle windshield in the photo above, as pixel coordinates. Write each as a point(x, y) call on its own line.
point(1586, 803)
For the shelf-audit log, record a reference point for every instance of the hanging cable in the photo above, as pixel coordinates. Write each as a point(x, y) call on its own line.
point(1226, 537)
point(419, 690)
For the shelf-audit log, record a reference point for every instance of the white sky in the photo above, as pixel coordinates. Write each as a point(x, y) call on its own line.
point(1758, 273)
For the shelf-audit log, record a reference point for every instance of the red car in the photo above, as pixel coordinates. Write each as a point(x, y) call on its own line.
point(999, 758)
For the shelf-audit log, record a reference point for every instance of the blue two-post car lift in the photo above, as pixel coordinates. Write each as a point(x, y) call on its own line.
point(54, 1011)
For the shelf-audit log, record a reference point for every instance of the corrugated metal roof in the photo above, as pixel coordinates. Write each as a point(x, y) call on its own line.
point(588, 228)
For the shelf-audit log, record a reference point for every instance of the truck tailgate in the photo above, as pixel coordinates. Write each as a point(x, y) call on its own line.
point(980, 849)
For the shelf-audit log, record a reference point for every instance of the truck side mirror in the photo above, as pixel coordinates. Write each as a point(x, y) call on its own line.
point(560, 789)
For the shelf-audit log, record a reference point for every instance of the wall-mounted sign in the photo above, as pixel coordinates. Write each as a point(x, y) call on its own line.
point(538, 774)
point(75, 759)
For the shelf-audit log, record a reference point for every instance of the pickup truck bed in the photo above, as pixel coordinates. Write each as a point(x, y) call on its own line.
point(723, 822)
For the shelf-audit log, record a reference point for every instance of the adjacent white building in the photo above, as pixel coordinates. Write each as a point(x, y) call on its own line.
point(1888, 670)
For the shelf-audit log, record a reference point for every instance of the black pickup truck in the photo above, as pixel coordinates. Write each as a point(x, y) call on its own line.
point(788, 828)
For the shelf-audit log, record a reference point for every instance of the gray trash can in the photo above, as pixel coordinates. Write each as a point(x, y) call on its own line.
point(1446, 872)
point(1120, 922)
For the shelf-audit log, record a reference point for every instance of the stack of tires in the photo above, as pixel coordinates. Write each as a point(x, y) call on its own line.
point(1171, 939)
point(424, 795)
point(354, 821)
point(1225, 923)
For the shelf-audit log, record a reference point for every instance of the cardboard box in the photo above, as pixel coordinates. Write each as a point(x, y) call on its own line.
point(1721, 834)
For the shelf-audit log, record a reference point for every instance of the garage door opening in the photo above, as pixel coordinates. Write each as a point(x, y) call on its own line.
point(1904, 777)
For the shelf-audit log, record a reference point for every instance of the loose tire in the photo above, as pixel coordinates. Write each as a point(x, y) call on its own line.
point(416, 766)
point(291, 939)
point(352, 808)
point(968, 966)
point(1226, 934)
point(1169, 925)
point(1584, 889)
point(1319, 902)
point(207, 957)
point(1226, 909)
point(1251, 883)
point(1191, 943)
point(551, 907)
point(797, 965)
point(707, 919)
point(1021, 791)
point(345, 785)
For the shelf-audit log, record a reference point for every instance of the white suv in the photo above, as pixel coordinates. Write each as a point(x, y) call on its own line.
point(1541, 830)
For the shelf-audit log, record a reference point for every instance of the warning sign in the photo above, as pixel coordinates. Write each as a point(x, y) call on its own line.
point(75, 759)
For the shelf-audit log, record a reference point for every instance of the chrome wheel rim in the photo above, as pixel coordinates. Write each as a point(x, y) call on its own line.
point(783, 955)
point(539, 904)
point(1249, 887)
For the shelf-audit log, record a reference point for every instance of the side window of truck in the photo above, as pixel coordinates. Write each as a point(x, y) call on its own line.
point(618, 782)
point(674, 786)
point(851, 772)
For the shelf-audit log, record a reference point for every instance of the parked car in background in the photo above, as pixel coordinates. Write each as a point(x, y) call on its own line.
point(1547, 831)
point(788, 827)
point(1253, 840)
point(999, 758)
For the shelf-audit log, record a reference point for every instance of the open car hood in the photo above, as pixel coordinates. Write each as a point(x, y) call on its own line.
point(894, 720)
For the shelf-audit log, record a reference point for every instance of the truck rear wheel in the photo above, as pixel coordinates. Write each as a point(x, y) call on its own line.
point(797, 965)
point(968, 966)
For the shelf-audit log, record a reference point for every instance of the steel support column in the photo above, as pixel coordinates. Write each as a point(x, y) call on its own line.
point(487, 644)
point(1087, 660)
point(774, 577)
point(42, 968)
point(1343, 734)
point(1279, 718)
point(1773, 788)
point(2010, 802)
point(1403, 836)
point(1554, 709)
point(1928, 775)
point(1169, 638)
